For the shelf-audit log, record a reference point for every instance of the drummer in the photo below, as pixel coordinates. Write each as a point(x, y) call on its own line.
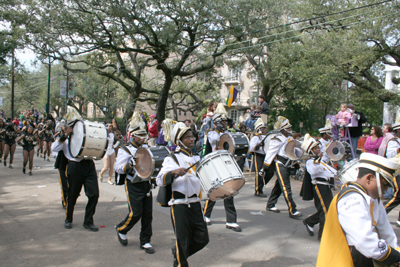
point(277, 156)
point(79, 172)
point(138, 192)
point(220, 123)
point(320, 174)
point(184, 186)
point(257, 149)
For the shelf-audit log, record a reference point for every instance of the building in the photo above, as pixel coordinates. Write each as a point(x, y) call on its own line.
point(390, 111)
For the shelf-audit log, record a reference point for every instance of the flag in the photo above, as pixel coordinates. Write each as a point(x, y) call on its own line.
point(232, 95)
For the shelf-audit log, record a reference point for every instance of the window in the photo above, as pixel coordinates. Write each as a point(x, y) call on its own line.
point(235, 73)
point(180, 112)
point(234, 115)
point(253, 97)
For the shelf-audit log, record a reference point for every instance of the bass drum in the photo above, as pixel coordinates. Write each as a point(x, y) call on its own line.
point(349, 172)
point(149, 161)
point(235, 143)
point(89, 140)
point(220, 175)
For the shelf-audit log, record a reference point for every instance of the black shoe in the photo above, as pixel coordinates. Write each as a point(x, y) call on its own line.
point(260, 195)
point(44, 158)
point(5, 164)
point(173, 249)
point(123, 242)
point(236, 229)
point(296, 215)
point(23, 170)
point(30, 173)
point(11, 167)
point(273, 209)
point(308, 228)
point(149, 250)
point(68, 225)
point(91, 227)
point(48, 159)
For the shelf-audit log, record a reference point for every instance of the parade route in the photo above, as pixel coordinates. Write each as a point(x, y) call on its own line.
point(32, 229)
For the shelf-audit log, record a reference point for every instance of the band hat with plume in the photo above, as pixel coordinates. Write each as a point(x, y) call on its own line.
point(396, 125)
point(137, 127)
point(387, 168)
point(72, 115)
point(282, 123)
point(168, 127)
point(259, 124)
point(220, 113)
point(327, 128)
point(179, 130)
point(309, 143)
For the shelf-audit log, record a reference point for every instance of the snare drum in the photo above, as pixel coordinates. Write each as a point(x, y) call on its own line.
point(88, 140)
point(220, 175)
point(349, 172)
point(149, 161)
point(235, 143)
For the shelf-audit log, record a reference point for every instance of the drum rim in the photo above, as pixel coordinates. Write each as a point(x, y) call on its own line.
point(210, 155)
point(83, 139)
point(152, 164)
point(234, 194)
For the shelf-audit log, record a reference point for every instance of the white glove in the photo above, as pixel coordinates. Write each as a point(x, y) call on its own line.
point(116, 144)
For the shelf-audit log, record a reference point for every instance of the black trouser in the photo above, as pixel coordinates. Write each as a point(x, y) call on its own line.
point(230, 209)
point(322, 199)
point(190, 230)
point(64, 186)
point(260, 180)
point(140, 207)
point(282, 185)
point(396, 197)
point(82, 173)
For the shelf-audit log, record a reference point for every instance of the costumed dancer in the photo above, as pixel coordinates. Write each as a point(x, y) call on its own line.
point(257, 149)
point(277, 156)
point(40, 135)
point(183, 193)
point(9, 143)
point(138, 192)
point(28, 141)
point(357, 231)
point(220, 127)
point(61, 164)
point(393, 150)
point(318, 175)
point(48, 138)
point(80, 172)
point(109, 157)
point(2, 137)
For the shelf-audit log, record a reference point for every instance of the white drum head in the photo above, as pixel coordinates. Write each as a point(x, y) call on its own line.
point(77, 138)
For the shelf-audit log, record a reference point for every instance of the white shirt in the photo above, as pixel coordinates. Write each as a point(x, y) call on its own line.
point(213, 138)
point(111, 147)
point(393, 148)
point(255, 141)
point(324, 145)
point(63, 146)
point(357, 221)
point(189, 184)
point(123, 158)
point(277, 146)
point(318, 169)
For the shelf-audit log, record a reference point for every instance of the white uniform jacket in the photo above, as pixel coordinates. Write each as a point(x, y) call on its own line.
point(392, 148)
point(188, 184)
point(122, 162)
point(318, 169)
point(277, 146)
point(63, 146)
point(255, 141)
point(365, 224)
point(213, 138)
point(324, 145)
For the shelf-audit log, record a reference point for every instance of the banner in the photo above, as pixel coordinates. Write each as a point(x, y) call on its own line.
point(63, 88)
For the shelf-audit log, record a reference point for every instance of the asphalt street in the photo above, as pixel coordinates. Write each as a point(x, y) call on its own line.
point(32, 229)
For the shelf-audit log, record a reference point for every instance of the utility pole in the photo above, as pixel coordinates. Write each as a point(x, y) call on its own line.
point(12, 82)
point(48, 91)
point(66, 93)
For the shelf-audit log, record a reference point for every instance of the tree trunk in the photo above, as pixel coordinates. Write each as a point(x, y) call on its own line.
point(173, 105)
point(162, 100)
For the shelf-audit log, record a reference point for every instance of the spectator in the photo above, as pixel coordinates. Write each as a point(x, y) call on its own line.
point(264, 108)
point(161, 141)
point(16, 121)
point(356, 132)
point(195, 135)
point(194, 122)
point(387, 135)
point(250, 119)
point(152, 125)
point(374, 140)
point(187, 122)
point(343, 115)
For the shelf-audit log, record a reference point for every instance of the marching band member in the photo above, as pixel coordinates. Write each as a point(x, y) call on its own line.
point(392, 150)
point(9, 143)
point(320, 174)
point(220, 123)
point(276, 155)
point(138, 192)
point(28, 139)
point(183, 184)
point(357, 231)
point(257, 149)
point(80, 172)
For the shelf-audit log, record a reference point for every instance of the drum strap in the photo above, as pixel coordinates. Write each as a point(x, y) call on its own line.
point(165, 192)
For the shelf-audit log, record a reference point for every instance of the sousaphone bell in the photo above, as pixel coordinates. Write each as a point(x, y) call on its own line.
point(294, 151)
point(335, 150)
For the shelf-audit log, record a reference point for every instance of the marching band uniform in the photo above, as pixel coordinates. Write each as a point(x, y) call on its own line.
point(320, 175)
point(257, 149)
point(324, 145)
point(229, 205)
point(138, 192)
point(186, 215)
point(80, 172)
point(357, 230)
point(276, 155)
point(392, 147)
